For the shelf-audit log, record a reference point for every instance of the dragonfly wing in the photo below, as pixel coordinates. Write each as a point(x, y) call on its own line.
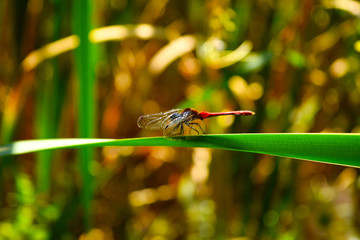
point(156, 121)
point(151, 122)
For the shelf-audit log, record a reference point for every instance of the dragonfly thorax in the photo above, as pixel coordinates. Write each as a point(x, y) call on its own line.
point(190, 114)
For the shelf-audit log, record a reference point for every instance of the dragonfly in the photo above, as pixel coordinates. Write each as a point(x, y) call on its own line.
point(182, 122)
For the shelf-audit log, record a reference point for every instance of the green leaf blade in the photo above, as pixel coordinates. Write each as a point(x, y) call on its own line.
point(340, 149)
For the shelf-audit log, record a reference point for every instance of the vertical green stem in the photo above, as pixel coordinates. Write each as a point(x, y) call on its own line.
point(50, 97)
point(44, 125)
point(86, 99)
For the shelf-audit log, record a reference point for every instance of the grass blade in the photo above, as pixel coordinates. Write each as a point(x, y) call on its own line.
point(340, 149)
point(85, 66)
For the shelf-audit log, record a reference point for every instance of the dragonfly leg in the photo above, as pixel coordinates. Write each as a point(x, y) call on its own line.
point(171, 133)
point(204, 132)
point(181, 129)
point(189, 125)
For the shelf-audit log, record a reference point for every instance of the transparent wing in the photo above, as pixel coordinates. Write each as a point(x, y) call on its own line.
point(156, 121)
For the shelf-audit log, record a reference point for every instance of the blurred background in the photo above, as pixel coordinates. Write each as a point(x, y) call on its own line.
point(91, 68)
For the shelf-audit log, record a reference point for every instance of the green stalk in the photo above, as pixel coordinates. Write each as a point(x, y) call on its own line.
point(86, 99)
point(44, 125)
point(50, 97)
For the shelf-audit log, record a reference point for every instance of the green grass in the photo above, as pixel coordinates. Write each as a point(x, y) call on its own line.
point(85, 56)
point(339, 149)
